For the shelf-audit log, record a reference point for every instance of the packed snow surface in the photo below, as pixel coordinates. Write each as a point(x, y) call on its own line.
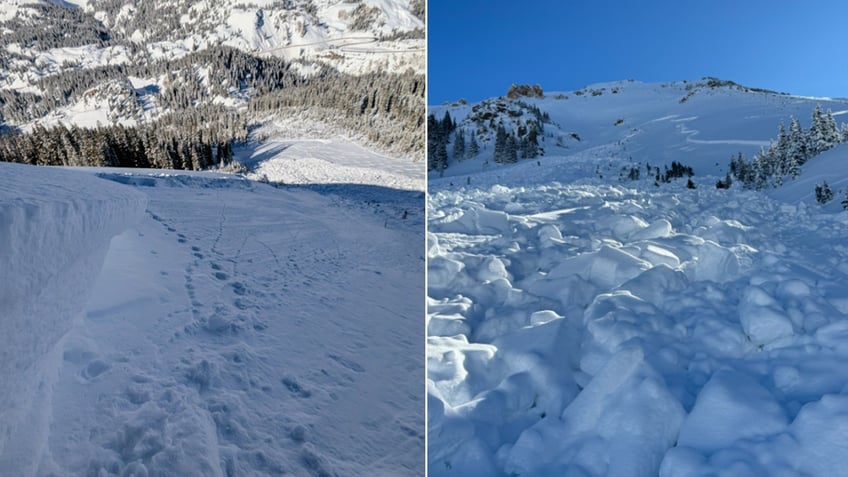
point(235, 328)
point(588, 327)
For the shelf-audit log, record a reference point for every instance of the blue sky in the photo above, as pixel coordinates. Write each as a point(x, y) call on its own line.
point(477, 48)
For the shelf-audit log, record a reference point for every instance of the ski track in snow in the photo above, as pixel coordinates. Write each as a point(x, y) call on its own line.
point(239, 330)
point(691, 133)
point(594, 329)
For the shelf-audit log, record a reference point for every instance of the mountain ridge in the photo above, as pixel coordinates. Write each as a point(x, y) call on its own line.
point(701, 123)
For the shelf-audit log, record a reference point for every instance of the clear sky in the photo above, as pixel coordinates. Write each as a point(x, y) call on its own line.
point(478, 48)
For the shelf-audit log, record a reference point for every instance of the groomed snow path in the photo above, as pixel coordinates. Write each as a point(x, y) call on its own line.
point(599, 330)
point(242, 329)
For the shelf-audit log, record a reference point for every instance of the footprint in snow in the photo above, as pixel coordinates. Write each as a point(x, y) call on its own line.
point(295, 388)
point(351, 365)
point(238, 288)
point(94, 369)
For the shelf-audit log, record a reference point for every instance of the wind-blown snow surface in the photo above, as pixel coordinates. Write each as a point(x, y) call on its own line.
point(243, 329)
point(582, 327)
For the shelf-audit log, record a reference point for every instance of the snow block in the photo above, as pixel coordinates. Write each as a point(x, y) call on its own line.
point(659, 229)
point(549, 236)
point(762, 317)
point(606, 268)
point(442, 272)
point(621, 424)
point(731, 406)
point(477, 220)
point(715, 263)
point(492, 269)
point(622, 227)
point(821, 429)
point(55, 228)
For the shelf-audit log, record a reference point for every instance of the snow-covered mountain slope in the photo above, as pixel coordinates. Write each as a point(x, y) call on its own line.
point(341, 33)
point(101, 63)
point(584, 324)
point(236, 328)
point(699, 123)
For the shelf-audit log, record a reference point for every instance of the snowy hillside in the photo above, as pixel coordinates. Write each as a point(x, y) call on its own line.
point(699, 123)
point(235, 327)
point(103, 63)
point(584, 323)
point(335, 32)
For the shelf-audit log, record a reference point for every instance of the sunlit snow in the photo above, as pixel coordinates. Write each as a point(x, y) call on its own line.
point(584, 324)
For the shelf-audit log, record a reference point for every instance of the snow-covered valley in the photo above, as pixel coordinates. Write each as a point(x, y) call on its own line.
point(235, 327)
point(582, 323)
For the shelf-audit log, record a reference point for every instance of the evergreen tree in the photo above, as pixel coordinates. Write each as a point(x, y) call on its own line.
point(441, 156)
point(530, 142)
point(447, 124)
point(511, 150)
point(459, 145)
point(781, 156)
point(760, 170)
point(500, 145)
point(798, 152)
point(473, 147)
point(823, 193)
point(831, 130)
point(436, 144)
point(823, 133)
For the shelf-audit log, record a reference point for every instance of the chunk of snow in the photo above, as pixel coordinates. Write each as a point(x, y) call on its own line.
point(762, 318)
point(621, 424)
point(821, 429)
point(731, 406)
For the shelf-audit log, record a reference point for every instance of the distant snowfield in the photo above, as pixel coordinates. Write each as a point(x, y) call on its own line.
point(236, 328)
point(330, 162)
point(579, 325)
point(300, 151)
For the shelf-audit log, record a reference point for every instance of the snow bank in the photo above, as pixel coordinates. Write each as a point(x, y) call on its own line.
point(55, 228)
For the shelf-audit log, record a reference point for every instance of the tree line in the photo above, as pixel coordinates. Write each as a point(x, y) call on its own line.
point(191, 141)
point(786, 154)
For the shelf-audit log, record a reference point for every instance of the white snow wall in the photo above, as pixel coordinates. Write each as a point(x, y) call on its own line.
point(55, 229)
